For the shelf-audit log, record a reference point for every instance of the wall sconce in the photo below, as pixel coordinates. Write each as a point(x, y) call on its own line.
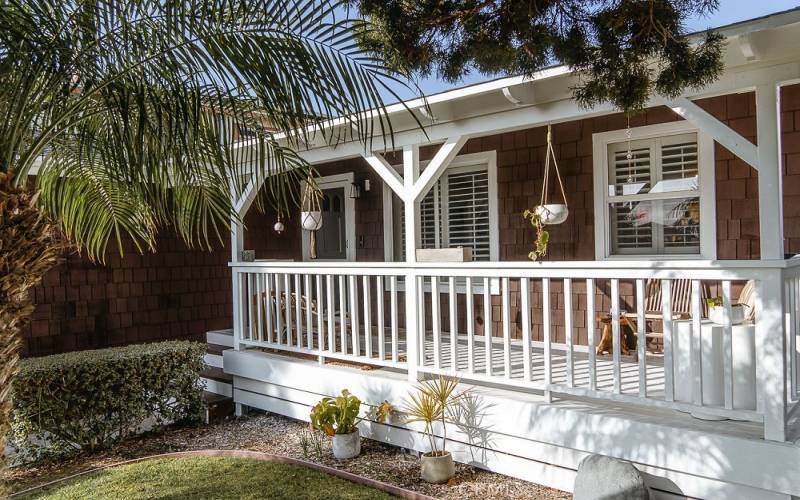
point(357, 188)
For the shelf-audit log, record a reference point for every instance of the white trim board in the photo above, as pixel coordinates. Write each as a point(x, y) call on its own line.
point(336, 181)
point(707, 192)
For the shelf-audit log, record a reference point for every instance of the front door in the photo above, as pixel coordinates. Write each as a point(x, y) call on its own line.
point(332, 237)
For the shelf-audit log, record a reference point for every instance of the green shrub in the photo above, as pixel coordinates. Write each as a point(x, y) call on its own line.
point(92, 399)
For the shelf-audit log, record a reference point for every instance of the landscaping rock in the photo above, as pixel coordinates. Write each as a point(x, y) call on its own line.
point(605, 478)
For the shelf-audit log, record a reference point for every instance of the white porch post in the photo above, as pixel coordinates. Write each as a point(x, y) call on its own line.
point(770, 188)
point(237, 244)
point(410, 205)
point(771, 354)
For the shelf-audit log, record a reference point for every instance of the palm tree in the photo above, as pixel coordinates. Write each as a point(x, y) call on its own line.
point(130, 114)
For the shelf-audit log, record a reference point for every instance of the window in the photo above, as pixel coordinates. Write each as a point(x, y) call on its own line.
point(654, 194)
point(459, 210)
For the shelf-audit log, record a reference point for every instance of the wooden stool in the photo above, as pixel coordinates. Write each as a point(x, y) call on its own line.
point(627, 339)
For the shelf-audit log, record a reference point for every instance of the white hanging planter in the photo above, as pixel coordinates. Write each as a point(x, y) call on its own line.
point(552, 213)
point(311, 220)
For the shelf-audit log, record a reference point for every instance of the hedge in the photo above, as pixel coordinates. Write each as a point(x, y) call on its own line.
point(93, 399)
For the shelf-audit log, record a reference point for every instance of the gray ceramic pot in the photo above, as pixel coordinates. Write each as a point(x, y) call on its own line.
point(438, 469)
point(346, 445)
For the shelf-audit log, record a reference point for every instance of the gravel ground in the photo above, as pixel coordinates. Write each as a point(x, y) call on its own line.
point(279, 435)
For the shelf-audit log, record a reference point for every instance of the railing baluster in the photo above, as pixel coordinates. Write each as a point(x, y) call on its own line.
point(666, 313)
point(354, 315)
point(794, 306)
point(268, 305)
point(590, 328)
point(615, 333)
point(394, 312)
point(421, 323)
point(343, 314)
point(470, 304)
point(568, 332)
point(367, 317)
point(379, 298)
point(506, 319)
point(259, 307)
point(696, 345)
point(278, 310)
point(727, 346)
point(331, 304)
point(287, 307)
point(641, 343)
point(297, 297)
point(320, 315)
point(250, 312)
point(487, 323)
point(525, 306)
point(436, 322)
point(548, 359)
point(453, 328)
point(309, 313)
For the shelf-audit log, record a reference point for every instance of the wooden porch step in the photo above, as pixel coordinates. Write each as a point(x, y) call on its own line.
point(214, 373)
point(217, 407)
point(220, 337)
point(216, 349)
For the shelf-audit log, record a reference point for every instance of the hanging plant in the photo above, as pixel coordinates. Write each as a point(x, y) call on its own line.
point(547, 213)
point(311, 214)
point(542, 236)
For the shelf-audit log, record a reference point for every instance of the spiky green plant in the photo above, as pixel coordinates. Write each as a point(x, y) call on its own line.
point(139, 116)
point(433, 401)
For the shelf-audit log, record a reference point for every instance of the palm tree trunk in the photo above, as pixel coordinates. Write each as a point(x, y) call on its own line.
point(29, 247)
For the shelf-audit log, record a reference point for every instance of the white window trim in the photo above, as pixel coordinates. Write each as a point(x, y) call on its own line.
point(460, 162)
point(707, 193)
point(336, 181)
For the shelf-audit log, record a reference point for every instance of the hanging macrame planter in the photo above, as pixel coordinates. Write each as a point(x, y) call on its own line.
point(551, 213)
point(547, 213)
point(311, 216)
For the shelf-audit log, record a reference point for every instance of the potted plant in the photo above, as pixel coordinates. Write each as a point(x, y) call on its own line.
point(716, 311)
point(435, 401)
point(338, 417)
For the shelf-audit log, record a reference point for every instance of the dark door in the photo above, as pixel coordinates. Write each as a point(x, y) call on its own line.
point(332, 237)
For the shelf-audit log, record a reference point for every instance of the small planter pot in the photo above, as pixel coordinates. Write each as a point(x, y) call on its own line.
point(438, 469)
point(346, 445)
point(552, 213)
point(311, 220)
point(717, 314)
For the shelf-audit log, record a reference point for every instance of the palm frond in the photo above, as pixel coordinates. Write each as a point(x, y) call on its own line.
point(141, 105)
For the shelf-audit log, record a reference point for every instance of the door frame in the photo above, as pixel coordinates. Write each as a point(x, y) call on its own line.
point(337, 181)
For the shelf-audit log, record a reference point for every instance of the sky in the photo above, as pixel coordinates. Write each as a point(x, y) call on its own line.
point(730, 11)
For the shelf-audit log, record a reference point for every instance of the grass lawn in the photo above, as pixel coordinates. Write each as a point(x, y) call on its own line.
point(216, 477)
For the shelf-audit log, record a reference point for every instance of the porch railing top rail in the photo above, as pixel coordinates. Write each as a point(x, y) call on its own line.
point(620, 269)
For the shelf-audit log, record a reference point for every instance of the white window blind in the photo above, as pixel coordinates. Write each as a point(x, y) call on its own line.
point(653, 196)
point(454, 213)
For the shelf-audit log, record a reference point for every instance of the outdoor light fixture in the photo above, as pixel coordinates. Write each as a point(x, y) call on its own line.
point(357, 188)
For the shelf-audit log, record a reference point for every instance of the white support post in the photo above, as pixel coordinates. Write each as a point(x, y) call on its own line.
point(387, 173)
point(771, 354)
point(721, 133)
point(770, 189)
point(237, 244)
point(437, 165)
point(410, 205)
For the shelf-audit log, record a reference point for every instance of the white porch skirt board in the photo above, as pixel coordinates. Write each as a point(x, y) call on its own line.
point(548, 448)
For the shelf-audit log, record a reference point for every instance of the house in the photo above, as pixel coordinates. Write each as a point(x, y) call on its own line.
point(696, 197)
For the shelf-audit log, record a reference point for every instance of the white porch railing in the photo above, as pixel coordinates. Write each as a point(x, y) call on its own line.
point(544, 324)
